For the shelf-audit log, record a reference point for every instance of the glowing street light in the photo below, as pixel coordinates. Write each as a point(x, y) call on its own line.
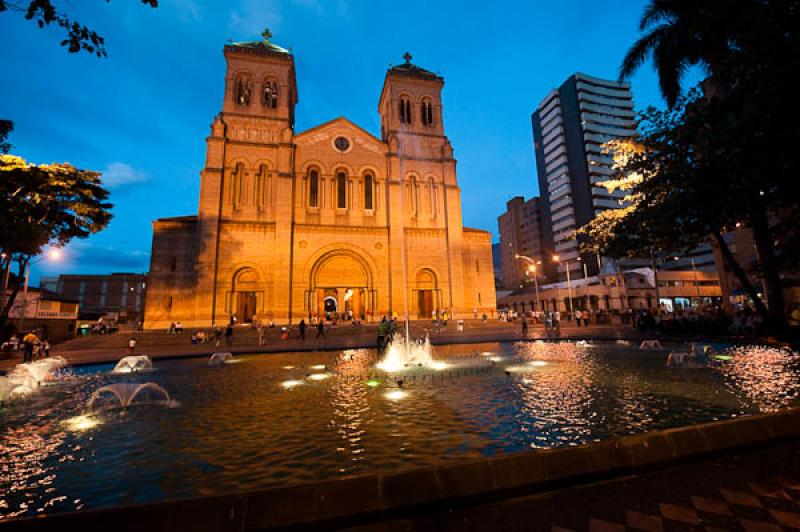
point(52, 254)
point(532, 269)
point(557, 259)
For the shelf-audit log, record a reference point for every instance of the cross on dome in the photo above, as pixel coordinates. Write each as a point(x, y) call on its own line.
point(407, 57)
point(266, 34)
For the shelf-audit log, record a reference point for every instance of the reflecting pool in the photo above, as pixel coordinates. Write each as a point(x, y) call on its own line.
point(284, 418)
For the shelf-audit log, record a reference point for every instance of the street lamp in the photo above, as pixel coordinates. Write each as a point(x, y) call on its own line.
point(53, 254)
point(532, 269)
point(557, 259)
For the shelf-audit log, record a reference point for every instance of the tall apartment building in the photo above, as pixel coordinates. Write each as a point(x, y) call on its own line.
point(520, 234)
point(570, 127)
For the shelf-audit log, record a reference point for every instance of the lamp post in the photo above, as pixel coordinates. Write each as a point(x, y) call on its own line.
point(557, 259)
point(532, 269)
point(54, 254)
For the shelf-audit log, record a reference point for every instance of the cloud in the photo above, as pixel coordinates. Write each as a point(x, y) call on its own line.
point(121, 174)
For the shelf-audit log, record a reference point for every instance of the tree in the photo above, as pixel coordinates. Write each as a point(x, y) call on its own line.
point(5, 130)
point(744, 126)
point(676, 193)
point(41, 205)
point(78, 37)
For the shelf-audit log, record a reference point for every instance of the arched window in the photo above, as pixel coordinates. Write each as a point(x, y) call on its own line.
point(432, 195)
point(341, 190)
point(427, 113)
point(313, 188)
point(244, 90)
point(405, 111)
point(237, 186)
point(270, 94)
point(369, 184)
point(413, 197)
point(262, 188)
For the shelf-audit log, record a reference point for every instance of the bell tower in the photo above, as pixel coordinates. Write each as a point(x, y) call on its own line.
point(423, 195)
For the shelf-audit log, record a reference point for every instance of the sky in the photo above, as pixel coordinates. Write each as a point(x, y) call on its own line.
point(141, 115)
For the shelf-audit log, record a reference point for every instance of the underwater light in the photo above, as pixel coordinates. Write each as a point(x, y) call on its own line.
point(80, 423)
point(538, 363)
point(291, 384)
point(373, 383)
point(496, 359)
point(317, 366)
point(288, 367)
point(439, 366)
point(319, 376)
point(395, 395)
point(723, 357)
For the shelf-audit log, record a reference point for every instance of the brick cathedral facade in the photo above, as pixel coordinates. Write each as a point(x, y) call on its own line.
point(333, 219)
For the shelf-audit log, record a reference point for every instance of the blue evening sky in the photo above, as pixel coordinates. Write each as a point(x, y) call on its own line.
point(142, 114)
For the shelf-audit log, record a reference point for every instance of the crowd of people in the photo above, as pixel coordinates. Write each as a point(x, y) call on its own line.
point(34, 345)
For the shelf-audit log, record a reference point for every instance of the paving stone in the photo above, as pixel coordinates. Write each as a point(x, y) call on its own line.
point(679, 513)
point(740, 497)
point(640, 521)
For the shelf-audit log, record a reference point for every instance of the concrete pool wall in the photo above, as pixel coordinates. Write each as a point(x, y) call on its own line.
point(363, 499)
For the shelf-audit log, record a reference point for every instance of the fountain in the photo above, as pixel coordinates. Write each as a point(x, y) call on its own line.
point(27, 377)
point(123, 395)
point(132, 364)
point(32, 374)
point(218, 359)
point(402, 353)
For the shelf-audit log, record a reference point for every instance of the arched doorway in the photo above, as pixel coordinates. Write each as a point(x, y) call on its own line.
point(425, 288)
point(244, 300)
point(341, 285)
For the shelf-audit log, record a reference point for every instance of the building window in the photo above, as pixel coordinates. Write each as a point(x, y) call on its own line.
point(413, 197)
point(427, 113)
point(368, 191)
point(341, 190)
point(237, 186)
point(405, 111)
point(173, 265)
point(432, 197)
point(169, 304)
point(262, 188)
point(271, 94)
point(313, 188)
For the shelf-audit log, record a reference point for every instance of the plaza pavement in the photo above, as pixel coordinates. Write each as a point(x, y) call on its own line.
point(159, 344)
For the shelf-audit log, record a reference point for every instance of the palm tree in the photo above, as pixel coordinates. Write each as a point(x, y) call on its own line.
point(679, 34)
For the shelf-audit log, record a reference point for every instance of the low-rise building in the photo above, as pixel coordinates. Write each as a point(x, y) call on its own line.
point(53, 315)
point(118, 296)
point(616, 292)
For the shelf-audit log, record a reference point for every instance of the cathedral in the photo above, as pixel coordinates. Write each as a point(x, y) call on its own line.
point(328, 221)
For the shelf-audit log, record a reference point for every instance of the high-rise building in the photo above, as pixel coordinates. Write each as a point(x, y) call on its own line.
point(520, 234)
point(570, 127)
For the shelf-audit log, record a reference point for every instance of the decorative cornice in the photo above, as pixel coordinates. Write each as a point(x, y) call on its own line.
point(320, 228)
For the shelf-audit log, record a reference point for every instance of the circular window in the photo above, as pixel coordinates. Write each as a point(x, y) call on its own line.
point(341, 144)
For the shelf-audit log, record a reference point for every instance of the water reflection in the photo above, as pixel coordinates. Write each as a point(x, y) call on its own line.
point(306, 416)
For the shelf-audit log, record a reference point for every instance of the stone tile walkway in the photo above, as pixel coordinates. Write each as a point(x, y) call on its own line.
point(750, 491)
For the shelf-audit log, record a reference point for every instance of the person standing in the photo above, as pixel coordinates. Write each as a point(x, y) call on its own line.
point(261, 335)
point(321, 329)
point(524, 327)
point(302, 329)
point(28, 343)
point(229, 335)
point(132, 346)
point(586, 317)
point(217, 337)
point(578, 316)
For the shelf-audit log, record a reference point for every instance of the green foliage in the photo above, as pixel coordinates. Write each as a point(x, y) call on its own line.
point(6, 126)
point(78, 37)
point(43, 205)
point(48, 204)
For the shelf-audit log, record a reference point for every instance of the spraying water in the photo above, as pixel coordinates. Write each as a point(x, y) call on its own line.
point(132, 364)
point(123, 395)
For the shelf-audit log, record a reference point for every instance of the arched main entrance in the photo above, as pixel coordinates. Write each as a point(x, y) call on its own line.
point(341, 286)
point(426, 289)
point(244, 300)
